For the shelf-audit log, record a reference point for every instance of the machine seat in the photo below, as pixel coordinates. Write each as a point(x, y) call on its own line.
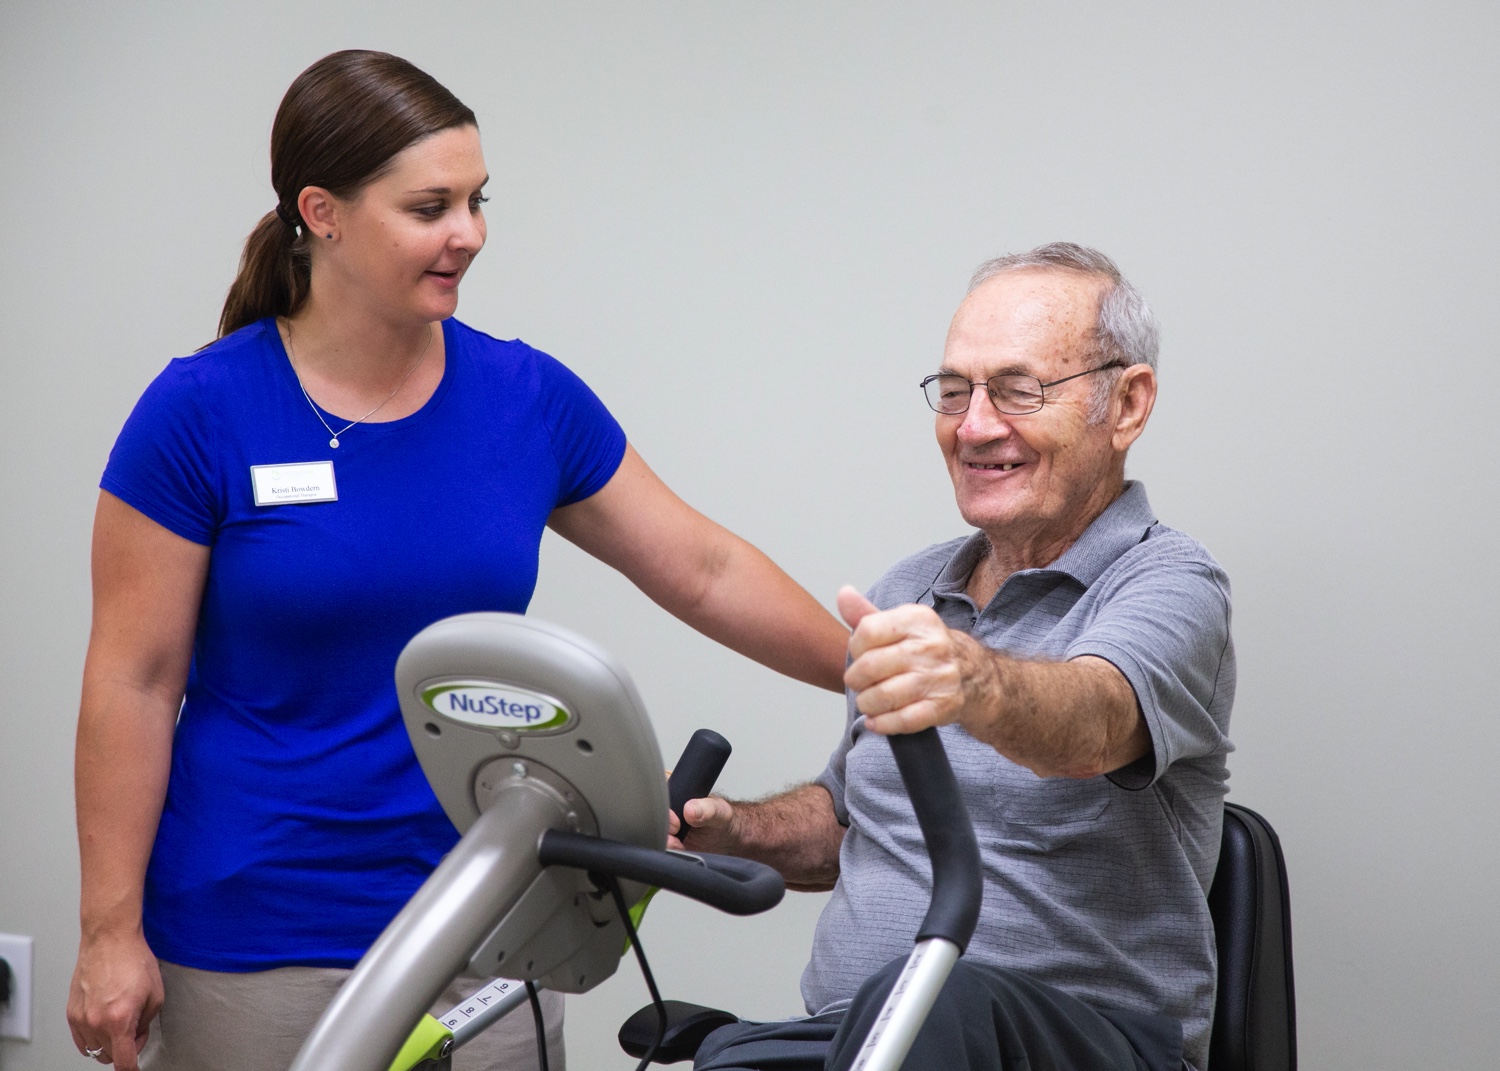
point(687, 1026)
point(1255, 1012)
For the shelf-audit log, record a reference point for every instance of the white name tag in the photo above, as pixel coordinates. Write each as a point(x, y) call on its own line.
point(277, 485)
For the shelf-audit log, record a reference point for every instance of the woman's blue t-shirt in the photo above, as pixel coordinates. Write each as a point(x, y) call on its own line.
point(297, 821)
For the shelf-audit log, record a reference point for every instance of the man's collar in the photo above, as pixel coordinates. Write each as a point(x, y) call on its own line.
point(1121, 526)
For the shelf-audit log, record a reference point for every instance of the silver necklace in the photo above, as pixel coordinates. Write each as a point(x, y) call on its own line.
point(334, 441)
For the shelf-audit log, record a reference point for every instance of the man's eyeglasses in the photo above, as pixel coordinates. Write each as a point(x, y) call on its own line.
point(1014, 393)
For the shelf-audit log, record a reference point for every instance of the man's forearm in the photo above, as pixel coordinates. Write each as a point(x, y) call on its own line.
point(1058, 719)
point(910, 671)
point(795, 832)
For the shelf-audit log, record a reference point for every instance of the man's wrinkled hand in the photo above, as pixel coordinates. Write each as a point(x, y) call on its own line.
point(710, 823)
point(908, 670)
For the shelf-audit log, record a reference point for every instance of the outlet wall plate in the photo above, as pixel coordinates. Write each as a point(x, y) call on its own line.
point(15, 1018)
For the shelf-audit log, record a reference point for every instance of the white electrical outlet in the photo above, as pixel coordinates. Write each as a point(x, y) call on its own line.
point(15, 1017)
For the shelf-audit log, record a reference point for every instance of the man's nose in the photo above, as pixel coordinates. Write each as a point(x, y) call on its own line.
point(982, 422)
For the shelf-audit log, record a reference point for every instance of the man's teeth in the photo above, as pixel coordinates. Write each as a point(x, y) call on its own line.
point(1003, 468)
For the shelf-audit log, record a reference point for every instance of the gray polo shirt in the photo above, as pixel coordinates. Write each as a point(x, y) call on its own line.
point(1095, 886)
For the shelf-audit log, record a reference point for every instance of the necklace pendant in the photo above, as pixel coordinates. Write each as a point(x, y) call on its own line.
point(333, 443)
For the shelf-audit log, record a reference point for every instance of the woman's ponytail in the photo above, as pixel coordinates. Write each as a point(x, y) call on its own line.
point(273, 277)
point(339, 127)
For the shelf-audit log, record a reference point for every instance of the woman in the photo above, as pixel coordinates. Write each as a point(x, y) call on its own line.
point(282, 511)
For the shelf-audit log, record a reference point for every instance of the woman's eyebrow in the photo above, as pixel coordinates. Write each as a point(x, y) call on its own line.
point(448, 189)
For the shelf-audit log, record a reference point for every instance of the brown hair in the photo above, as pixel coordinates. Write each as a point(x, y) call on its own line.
point(339, 126)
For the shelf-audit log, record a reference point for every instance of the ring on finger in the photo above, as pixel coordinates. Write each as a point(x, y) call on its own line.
point(94, 1054)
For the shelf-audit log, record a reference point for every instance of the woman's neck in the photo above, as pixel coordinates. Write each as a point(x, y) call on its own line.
point(354, 346)
point(369, 373)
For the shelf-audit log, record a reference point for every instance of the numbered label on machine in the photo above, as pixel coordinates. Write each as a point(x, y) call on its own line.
point(480, 1002)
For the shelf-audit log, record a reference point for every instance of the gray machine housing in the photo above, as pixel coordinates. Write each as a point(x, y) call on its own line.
point(455, 680)
point(540, 731)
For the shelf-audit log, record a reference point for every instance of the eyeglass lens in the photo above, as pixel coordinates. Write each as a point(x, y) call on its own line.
point(1014, 394)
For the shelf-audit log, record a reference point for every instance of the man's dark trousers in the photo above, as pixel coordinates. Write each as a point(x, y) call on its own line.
point(985, 1019)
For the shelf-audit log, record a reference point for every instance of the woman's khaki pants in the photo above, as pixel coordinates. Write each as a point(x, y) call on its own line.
point(216, 1021)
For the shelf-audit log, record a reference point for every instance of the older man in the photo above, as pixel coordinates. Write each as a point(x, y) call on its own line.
point(1076, 655)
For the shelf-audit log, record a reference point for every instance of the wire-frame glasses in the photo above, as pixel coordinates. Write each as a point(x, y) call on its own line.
point(1014, 393)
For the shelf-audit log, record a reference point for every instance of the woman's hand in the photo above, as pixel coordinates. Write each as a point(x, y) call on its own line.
point(148, 583)
point(115, 994)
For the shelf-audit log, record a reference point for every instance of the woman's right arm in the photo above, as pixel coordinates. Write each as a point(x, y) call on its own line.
point(148, 583)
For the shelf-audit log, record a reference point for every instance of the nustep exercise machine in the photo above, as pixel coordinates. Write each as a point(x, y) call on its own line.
point(539, 749)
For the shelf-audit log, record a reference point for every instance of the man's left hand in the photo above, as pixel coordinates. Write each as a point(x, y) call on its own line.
point(909, 670)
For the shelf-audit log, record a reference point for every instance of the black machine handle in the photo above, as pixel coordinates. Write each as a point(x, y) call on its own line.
point(695, 773)
point(738, 886)
point(957, 884)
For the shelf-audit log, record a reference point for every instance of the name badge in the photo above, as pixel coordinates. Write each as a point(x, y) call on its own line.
point(279, 485)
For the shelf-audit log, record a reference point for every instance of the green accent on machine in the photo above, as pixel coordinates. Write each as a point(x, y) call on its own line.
point(638, 912)
point(426, 1042)
point(430, 1037)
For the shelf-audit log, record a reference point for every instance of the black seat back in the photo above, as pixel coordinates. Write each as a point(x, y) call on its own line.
point(1255, 1015)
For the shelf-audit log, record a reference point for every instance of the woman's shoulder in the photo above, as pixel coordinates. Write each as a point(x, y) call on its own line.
point(510, 358)
point(221, 368)
point(225, 362)
point(487, 348)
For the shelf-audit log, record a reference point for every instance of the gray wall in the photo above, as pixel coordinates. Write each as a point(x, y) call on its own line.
point(781, 202)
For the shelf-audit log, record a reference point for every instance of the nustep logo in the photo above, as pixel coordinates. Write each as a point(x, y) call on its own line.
point(495, 707)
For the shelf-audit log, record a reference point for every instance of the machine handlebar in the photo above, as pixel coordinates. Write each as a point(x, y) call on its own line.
point(738, 886)
point(957, 883)
point(695, 773)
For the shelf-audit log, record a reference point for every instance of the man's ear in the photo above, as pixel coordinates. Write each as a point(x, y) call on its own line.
point(321, 211)
point(1135, 397)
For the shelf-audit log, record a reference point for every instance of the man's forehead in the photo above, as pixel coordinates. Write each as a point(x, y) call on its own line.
point(1024, 321)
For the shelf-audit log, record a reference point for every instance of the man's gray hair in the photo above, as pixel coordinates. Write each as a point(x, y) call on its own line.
point(1126, 330)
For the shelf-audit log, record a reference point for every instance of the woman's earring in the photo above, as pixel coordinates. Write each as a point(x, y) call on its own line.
point(327, 236)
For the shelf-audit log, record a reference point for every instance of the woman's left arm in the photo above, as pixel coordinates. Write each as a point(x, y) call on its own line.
point(706, 575)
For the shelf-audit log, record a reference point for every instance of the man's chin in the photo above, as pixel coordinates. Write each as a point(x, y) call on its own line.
point(990, 516)
point(989, 519)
